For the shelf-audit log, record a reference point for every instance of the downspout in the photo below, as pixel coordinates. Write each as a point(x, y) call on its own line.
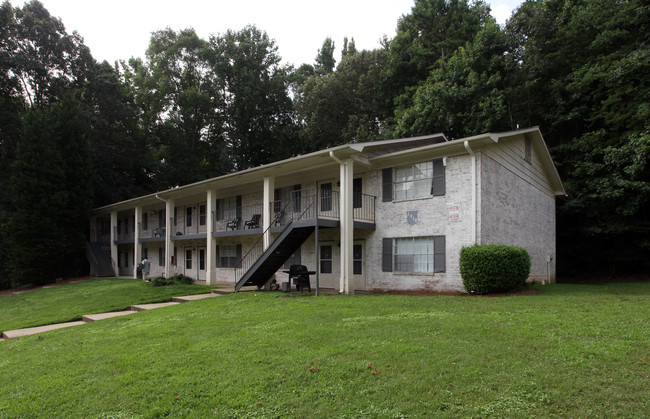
point(473, 156)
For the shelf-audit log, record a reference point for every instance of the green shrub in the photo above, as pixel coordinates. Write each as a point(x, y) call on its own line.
point(490, 268)
point(161, 281)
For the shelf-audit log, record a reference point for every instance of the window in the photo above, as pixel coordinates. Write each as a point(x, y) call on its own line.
point(145, 252)
point(202, 214)
point(145, 221)
point(326, 197)
point(188, 217)
point(188, 259)
point(414, 254)
point(414, 181)
point(161, 256)
point(326, 259)
point(357, 259)
point(161, 218)
point(285, 195)
point(228, 208)
point(228, 257)
point(293, 260)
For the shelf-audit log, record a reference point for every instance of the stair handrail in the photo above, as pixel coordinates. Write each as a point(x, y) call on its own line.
point(90, 254)
point(240, 266)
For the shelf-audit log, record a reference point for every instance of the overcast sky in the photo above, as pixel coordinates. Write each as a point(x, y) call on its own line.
point(120, 29)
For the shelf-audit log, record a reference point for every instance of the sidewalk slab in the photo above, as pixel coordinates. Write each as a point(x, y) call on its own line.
point(102, 316)
point(33, 330)
point(193, 297)
point(143, 307)
point(223, 291)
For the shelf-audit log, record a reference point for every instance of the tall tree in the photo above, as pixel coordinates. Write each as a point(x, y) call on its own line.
point(51, 195)
point(325, 61)
point(433, 30)
point(39, 55)
point(347, 105)
point(181, 101)
point(259, 123)
point(584, 65)
point(470, 91)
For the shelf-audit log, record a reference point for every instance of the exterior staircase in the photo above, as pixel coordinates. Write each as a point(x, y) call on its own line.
point(272, 259)
point(100, 260)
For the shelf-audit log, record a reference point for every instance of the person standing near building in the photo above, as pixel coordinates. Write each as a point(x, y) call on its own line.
point(146, 266)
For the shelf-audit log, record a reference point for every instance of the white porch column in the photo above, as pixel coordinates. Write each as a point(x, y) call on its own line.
point(137, 246)
point(211, 273)
point(267, 217)
point(114, 257)
point(169, 245)
point(347, 224)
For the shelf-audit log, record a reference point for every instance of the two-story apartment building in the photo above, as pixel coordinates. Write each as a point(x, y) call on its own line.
point(384, 215)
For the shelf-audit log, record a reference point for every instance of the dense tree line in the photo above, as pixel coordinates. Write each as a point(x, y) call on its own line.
point(193, 108)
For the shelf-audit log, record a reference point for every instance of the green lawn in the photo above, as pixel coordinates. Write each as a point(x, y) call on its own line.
point(69, 302)
point(571, 351)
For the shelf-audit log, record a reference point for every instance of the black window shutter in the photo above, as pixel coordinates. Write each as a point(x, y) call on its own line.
point(239, 206)
point(216, 253)
point(217, 216)
point(238, 261)
point(387, 255)
point(439, 254)
point(438, 179)
point(387, 185)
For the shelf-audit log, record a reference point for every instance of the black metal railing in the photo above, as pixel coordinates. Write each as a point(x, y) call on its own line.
point(257, 249)
point(152, 229)
point(239, 218)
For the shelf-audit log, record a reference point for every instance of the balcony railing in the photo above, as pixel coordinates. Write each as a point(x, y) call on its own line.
point(152, 230)
point(195, 224)
point(120, 234)
point(239, 218)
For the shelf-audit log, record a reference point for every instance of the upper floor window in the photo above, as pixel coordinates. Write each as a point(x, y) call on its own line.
point(412, 181)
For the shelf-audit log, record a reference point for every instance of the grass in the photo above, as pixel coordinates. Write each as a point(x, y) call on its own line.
point(571, 351)
point(69, 302)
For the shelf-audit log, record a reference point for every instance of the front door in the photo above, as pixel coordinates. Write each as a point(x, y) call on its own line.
point(358, 266)
point(189, 263)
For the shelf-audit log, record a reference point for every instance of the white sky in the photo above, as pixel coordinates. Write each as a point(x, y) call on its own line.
point(120, 29)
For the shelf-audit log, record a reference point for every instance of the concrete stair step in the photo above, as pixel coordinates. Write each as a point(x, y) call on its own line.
point(10, 334)
point(102, 316)
point(143, 307)
point(223, 291)
point(195, 297)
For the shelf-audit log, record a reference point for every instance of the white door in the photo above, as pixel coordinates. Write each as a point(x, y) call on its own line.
point(358, 266)
point(190, 264)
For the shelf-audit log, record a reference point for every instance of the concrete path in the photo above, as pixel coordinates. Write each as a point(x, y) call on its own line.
point(100, 316)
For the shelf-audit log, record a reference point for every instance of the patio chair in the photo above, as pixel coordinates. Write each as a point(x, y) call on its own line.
point(277, 219)
point(234, 224)
point(254, 222)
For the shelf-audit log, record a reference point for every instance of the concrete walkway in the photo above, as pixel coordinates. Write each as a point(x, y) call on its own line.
point(100, 316)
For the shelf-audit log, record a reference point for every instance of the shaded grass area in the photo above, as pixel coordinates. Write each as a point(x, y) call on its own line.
point(571, 351)
point(69, 302)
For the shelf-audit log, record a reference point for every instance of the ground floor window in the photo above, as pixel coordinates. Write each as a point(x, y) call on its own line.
point(228, 256)
point(414, 254)
point(188, 259)
point(161, 256)
point(326, 259)
point(202, 259)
